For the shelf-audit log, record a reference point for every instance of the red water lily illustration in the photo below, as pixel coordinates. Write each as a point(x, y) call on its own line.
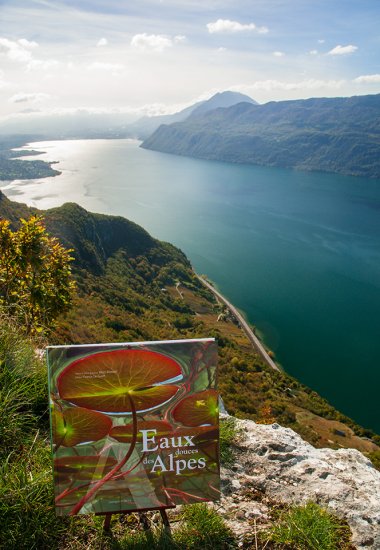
point(197, 409)
point(78, 425)
point(111, 380)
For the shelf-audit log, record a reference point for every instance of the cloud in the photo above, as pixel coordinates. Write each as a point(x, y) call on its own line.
point(342, 50)
point(16, 51)
point(102, 42)
point(321, 41)
point(367, 79)
point(278, 54)
point(180, 38)
point(313, 52)
point(270, 85)
point(112, 67)
point(228, 26)
point(151, 42)
point(3, 83)
point(27, 44)
point(39, 64)
point(30, 98)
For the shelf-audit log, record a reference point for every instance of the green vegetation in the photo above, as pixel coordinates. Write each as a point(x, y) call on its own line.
point(26, 512)
point(323, 134)
point(203, 529)
point(375, 459)
point(35, 274)
point(308, 527)
point(228, 435)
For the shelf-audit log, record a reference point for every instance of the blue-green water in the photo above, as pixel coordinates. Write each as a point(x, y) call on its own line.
point(299, 253)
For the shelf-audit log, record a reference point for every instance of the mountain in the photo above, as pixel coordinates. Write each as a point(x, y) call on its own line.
point(222, 100)
point(145, 126)
point(324, 134)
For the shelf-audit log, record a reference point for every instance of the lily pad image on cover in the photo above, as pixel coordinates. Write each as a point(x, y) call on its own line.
point(102, 404)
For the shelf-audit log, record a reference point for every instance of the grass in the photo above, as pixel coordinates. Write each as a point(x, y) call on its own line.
point(26, 496)
point(374, 457)
point(227, 436)
point(308, 527)
point(26, 500)
point(203, 529)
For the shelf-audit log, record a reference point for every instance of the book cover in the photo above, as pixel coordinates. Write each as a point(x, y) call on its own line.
point(134, 426)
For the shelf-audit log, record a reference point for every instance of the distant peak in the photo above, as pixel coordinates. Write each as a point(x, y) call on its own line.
point(229, 95)
point(224, 99)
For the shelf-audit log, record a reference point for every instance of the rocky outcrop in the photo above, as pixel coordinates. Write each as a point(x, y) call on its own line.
point(275, 462)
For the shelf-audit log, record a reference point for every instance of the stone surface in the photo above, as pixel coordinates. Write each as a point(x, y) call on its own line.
point(280, 465)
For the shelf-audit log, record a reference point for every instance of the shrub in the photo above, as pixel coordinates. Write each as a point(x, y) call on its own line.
point(35, 274)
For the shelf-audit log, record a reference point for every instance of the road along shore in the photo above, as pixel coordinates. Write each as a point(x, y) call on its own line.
point(256, 343)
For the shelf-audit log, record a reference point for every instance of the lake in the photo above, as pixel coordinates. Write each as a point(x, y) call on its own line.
point(297, 252)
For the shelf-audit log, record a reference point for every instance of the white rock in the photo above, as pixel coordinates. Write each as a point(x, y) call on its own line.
point(277, 461)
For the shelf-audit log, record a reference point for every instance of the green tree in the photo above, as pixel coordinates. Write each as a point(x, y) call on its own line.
point(36, 284)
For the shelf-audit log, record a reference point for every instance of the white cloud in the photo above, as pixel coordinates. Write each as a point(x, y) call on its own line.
point(98, 66)
point(179, 38)
point(367, 79)
point(102, 42)
point(342, 50)
point(270, 85)
point(313, 52)
point(321, 41)
point(151, 42)
point(228, 26)
point(278, 54)
point(29, 45)
point(39, 64)
point(30, 98)
point(15, 51)
point(3, 83)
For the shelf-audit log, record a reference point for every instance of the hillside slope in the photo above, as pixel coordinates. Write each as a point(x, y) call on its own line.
point(332, 135)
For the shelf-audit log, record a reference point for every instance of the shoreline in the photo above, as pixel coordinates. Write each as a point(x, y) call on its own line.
point(255, 341)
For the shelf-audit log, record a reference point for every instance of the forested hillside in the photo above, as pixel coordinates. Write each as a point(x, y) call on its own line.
point(323, 134)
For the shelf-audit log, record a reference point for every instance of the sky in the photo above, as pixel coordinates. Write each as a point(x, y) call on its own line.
point(158, 56)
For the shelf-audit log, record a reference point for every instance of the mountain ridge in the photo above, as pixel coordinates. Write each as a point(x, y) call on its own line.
point(321, 134)
point(145, 126)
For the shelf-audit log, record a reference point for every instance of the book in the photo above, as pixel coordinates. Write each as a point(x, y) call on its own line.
point(134, 426)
